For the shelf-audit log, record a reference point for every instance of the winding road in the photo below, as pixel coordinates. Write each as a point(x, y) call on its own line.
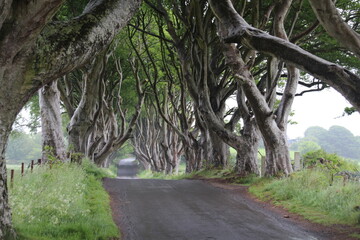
point(148, 209)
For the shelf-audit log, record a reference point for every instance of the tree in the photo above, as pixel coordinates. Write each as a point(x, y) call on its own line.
point(335, 26)
point(53, 142)
point(23, 147)
point(305, 145)
point(35, 51)
point(239, 31)
point(197, 50)
point(99, 124)
point(337, 140)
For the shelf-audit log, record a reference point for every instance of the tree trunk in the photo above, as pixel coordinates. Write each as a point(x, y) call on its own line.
point(239, 31)
point(220, 151)
point(329, 17)
point(277, 157)
point(247, 152)
point(29, 60)
point(51, 124)
point(192, 154)
point(6, 120)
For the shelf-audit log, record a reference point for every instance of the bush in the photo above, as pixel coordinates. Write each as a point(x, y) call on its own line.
point(329, 161)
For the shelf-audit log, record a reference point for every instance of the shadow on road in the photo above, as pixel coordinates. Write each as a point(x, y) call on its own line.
point(127, 168)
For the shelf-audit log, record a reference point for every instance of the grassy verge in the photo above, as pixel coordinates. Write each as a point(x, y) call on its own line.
point(147, 174)
point(312, 194)
point(226, 174)
point(65, 202)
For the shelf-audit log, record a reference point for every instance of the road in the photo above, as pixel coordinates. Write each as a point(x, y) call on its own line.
point(194, 210)
point(127, 168)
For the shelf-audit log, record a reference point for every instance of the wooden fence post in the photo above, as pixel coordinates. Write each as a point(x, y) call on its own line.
point(22, 169)
point(11, 178)
point(32, 165)
point(297, 164)
point(263, 167)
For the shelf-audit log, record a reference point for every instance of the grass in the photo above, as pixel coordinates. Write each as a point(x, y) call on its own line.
point(311, 194)
point(355, 235)
point(65, 202)
point(226, 174)
point(16, 167)
point(147, 174)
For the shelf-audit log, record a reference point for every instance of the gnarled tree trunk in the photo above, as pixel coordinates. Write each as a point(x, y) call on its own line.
point(51, 125)
point(239, 31)
point(29, 60)
point(6, 120)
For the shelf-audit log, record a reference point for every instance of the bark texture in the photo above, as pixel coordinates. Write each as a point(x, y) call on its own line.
point(335, 26)
point(271, 123)
point(239, 31)
point(35, 52)
point(98, 124)
point(6, 229)
point(53, 144)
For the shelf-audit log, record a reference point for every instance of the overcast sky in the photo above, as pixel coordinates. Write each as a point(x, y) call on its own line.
point(322, 109)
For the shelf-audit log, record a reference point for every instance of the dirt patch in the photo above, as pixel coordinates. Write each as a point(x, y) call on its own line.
point(331, 232)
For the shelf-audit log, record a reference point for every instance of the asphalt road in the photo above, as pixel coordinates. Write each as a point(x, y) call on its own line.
point(127, 168)
point(193, 210)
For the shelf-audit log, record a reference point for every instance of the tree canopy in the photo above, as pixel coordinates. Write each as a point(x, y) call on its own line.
point(183, 59)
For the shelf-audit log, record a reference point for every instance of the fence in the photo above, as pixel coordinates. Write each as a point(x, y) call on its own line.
point(31, 166)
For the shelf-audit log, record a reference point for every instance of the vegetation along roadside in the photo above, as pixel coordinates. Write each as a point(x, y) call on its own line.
point(65, 207)
point(316, 193)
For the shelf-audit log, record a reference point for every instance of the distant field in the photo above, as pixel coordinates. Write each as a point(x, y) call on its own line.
point(14, 166)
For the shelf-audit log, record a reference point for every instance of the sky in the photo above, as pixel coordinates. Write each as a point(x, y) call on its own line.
point(323, 109)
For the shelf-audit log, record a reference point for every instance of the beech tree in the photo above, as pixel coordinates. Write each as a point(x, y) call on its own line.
point(35, 51)
point(189, 31)
point(157, 146)
point(99, 124)
point(239, 31)
point(53, 143)
point(335, 26)
point(161, 69)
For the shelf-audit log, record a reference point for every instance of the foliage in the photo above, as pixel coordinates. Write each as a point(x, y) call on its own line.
point(309, 193)
point(64, 202)
point(70, 9)
point(127, 150)
point(329, 161)
point(91, 169)
point(349, 110)
point(23, 147)
point(337, 140)
point(305, 145)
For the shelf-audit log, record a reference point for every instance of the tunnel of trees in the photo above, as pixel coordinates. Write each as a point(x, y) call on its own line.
point(164, 81)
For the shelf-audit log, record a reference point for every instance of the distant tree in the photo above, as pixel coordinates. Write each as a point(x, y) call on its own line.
point(342, 142)
point(305, 145)
point(317, 134)
point(357, 139)
point(335, 140)
point(23, 147)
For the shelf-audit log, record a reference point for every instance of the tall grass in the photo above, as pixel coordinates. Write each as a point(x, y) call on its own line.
point(313, 194)
point(65, 202)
